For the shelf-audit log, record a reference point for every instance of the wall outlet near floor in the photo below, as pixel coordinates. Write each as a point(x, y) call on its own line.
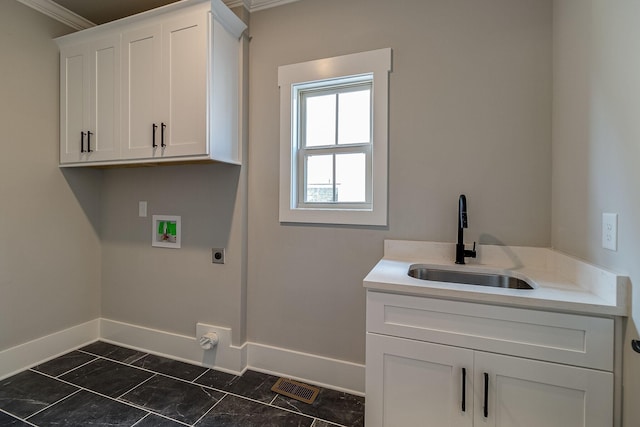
point(217, 255)
point(610, 231)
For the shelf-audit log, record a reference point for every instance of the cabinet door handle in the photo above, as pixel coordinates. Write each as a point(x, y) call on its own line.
point(486, 395)
point(153, 138)
point(89, 150)
point(464, 390)
point(162, 128)
point(82, 142)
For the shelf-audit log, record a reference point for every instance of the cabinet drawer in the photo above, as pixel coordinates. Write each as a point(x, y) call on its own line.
point(557, 337)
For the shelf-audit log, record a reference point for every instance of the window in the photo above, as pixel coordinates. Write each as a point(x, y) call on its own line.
point(333, 131)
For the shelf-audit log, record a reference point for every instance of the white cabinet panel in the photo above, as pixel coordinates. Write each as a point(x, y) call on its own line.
point(413, 383)
point(89, 101)
point(526, 392)
point(74, 101)
point(185, 77)
point(141, 91)
point(104, 120)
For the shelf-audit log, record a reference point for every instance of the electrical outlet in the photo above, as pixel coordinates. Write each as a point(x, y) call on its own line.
point(217, 255)
point(610, 231)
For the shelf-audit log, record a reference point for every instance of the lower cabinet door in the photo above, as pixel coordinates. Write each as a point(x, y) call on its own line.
point(522, 392)
point(412, 383)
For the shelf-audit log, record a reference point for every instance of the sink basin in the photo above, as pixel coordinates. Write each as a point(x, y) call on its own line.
point(468, 278)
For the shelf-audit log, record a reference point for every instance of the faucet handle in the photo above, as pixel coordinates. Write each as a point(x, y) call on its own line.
point(470, 253)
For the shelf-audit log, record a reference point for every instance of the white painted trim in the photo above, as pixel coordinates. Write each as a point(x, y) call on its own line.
point(59, 13)
point(237, 3)
point(32, 353)
point(267, 4)
point(310, 368)
point(374, 62)
point(225, 357)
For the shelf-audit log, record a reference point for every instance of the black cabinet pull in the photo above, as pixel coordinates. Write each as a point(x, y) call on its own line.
point(486, 395)
point(464, 390)
point(162, 128)
point(153, 138)
point(82, 142)
point(89, 150)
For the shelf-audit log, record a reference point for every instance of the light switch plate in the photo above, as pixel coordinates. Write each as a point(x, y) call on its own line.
point(142, 209)
point(610, 231)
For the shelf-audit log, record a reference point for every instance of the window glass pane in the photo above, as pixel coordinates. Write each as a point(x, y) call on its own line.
point(319, 179)
point(320, 120)
point(351, 174)
point(354, 117)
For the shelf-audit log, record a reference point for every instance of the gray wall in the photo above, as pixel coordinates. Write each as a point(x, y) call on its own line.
point(49, 249)
point(172, 289)
point(470, 94)
point(595, 147)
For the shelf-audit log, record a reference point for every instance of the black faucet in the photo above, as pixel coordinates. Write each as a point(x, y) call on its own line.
point(461, 252)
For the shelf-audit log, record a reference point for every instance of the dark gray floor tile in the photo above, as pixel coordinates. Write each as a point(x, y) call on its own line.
point(321, 423)
point(9, 421)
point(335, 406)
point(234, 411)
point(28, 392)
point(107, 377)
point(121, 354)
point(251, 384)
point(171, 367)
point(173, 398)
point(88, 409)
point(64, 363)
point(153, 420)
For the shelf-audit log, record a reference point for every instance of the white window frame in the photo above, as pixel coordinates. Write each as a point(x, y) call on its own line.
point(329, 72)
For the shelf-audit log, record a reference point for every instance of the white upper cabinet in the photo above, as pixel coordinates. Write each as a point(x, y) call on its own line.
point(173, 94)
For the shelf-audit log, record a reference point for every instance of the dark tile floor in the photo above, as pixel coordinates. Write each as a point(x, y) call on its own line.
point(107, 385)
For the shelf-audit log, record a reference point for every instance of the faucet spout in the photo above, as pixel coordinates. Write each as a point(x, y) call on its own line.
point(461, 252)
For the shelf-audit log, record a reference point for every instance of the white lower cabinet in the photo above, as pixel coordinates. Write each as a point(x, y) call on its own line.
point(415, 383)
point(523, 392)
point(411, 382)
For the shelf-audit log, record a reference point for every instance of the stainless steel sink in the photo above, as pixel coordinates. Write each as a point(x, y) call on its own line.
point(468, 277)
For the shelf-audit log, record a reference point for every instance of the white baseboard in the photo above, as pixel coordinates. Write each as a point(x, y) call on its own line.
point(322, 371)
point(310, 368)
point(32, 353)
point(224, 357)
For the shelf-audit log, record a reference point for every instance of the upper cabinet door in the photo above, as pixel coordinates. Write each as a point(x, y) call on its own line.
point(184, 61)
point(74, 102)
point(142, 94)
point(89, 101)
point(104, 119)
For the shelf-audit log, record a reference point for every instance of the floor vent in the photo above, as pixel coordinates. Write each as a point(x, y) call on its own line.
point(295, 390)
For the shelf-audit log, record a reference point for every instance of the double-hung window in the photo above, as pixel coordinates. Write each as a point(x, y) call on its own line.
point(333, 155)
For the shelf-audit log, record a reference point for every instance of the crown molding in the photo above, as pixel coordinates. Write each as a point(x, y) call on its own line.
point(73, 20)
point(255, 5)
point(237, 3)
point(59, 13)
point(267, 4)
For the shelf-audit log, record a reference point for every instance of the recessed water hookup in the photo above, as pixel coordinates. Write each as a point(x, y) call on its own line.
point(208, 340)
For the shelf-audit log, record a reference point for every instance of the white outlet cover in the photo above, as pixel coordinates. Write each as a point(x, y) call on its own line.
point(610, 231)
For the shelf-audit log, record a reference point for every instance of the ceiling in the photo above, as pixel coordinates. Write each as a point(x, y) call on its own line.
point(101, 11)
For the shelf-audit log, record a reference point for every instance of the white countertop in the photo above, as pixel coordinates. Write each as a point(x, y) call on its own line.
point(562, 283)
